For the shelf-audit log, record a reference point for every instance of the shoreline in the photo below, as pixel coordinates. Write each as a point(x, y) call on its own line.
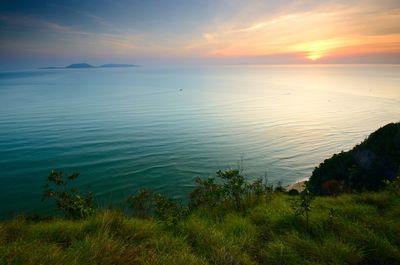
point(298, 185)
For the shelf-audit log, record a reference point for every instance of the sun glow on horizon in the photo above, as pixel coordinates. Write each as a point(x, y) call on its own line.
point(313, 56)
point(311, 35)
point(316, 50)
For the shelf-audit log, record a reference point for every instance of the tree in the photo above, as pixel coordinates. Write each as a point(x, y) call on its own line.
point(302, 205)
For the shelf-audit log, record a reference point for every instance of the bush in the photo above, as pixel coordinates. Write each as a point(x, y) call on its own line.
point(142, 202)
point(168, 210)
point(72, 203)
point(234, 186)
point(207, 193)
point(302, 205)
point(232, 189)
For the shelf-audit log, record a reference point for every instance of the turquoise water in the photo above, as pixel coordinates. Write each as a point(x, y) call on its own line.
point(162, 127)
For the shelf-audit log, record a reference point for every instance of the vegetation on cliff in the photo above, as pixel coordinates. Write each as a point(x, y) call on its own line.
point(365, 167)
point(347, 229)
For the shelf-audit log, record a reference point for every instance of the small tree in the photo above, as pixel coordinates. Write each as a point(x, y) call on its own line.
point(142, 202)
point(235, 186)
point(72, 203)
point(302, 205)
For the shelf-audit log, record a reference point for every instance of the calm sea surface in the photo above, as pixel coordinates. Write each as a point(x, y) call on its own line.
point(161, 127)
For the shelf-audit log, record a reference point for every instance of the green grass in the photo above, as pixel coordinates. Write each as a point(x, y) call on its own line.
point(362, 228)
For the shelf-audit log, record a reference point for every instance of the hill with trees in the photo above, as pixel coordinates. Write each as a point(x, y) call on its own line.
point(365, 167)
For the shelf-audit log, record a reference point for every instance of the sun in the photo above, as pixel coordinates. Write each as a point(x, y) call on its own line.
point(315, 50)
point(313, 56)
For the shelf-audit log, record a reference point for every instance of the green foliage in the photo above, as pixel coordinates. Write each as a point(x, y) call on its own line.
point(169, 210)
point(147, 203)
point(142, 202)
point(234, 186)
point(302, 205)
point(229, 187)
point(260, 187)
point(72, 203)
point(207, 193)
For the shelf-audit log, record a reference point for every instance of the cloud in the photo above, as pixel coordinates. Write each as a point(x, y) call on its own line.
point(39, 24)
point(313, 33)
point(301, 29)
point(65, 38)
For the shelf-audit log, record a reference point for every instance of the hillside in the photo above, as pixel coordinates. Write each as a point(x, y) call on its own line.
point(365, 167)
point(348, 229)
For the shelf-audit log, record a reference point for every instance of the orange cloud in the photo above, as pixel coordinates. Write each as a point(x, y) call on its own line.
point(315, 34)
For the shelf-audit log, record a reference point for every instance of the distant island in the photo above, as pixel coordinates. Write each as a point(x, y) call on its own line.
point(86, 66)
point(79, 65)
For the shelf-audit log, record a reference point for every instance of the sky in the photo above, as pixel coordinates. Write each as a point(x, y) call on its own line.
point(42, 33)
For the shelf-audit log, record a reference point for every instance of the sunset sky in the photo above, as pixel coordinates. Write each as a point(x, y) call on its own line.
point(38, 33)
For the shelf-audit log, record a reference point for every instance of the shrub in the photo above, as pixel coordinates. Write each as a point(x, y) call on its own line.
point(72, 203)
point(260, 187)
point(234, 186)
point(169, 210)
point(207, 193)
point(232, 190)
point(142, 202)
point(302, 205)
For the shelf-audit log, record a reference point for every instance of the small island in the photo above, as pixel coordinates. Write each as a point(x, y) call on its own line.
point(89, 66)
point(79, 65)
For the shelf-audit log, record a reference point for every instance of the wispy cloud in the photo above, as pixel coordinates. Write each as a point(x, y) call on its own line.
point(80, 39)
point(39, 24)
point(310, 34)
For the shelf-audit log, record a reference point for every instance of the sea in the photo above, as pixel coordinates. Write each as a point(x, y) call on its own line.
point(162, 126)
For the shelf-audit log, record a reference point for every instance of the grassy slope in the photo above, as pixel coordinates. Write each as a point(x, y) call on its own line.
point(363, 230)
